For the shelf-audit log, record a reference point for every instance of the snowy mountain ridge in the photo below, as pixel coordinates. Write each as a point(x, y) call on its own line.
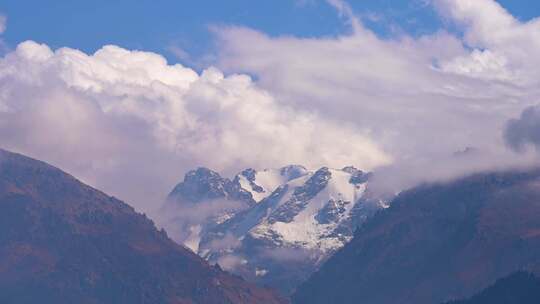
point(260, 222)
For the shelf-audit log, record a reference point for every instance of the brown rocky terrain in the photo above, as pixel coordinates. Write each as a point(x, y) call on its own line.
point(437, 243)
point(64, 242)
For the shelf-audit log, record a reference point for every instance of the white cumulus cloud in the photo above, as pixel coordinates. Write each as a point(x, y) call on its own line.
point(502, 45)
point(132, 124)
point(423, 98)
point(129, 123)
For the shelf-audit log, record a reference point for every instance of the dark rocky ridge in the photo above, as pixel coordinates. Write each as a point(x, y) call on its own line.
point(518, 288)
point(64, 242)
point(436, 243)
point(204, 184)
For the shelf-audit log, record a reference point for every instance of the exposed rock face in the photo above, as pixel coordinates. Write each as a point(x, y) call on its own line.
point(64, 242)
point(201, 201)
point(436, 243)
point(295, 218)
point(204, 184)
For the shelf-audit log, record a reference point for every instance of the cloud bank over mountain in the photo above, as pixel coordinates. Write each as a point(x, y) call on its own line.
point(132, 124)
point(523, 132)
point(423, 98)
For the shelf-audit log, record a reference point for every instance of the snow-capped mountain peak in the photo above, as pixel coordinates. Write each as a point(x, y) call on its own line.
point(278, 213)
point(312, 212)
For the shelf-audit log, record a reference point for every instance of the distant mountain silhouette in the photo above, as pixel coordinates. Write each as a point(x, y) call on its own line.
point(517, 288)
point(64, 242)
point(437, 243)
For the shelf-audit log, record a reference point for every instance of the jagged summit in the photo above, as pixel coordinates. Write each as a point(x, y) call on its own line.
point(357, 176)
point(200, 184)
point(293, 171)
point(204, 184)
point(250, 186)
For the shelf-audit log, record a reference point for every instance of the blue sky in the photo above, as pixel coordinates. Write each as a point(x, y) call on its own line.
point(162, 25)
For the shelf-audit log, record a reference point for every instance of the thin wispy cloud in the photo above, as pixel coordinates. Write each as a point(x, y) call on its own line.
point(346, 12)
point(3, 28)
point(3, 23)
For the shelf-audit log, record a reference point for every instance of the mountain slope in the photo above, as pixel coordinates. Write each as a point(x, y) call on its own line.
point(517, 288)
point(64, 242)
point(291, 220)
point(436, 243)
